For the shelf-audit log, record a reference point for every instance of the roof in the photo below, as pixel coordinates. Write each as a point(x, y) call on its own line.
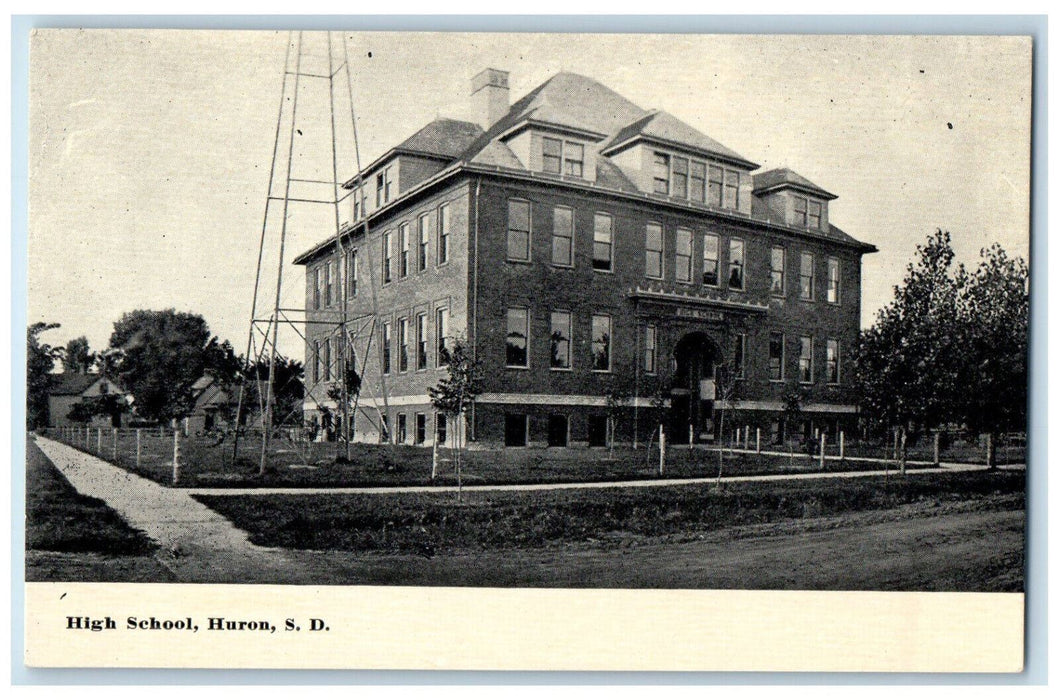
point(71, 383)
point(785, 177)
point(664, 127)
point(442, 138)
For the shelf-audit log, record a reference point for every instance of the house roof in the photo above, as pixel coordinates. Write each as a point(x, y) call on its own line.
point(665, 128)
point(779, 178)
point(71, 383)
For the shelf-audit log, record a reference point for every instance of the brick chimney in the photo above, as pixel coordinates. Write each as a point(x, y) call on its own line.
point(489, 95)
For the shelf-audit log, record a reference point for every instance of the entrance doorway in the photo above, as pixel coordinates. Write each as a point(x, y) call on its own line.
point(694, 389)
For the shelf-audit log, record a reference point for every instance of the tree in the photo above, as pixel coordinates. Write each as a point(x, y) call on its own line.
point(40, 361)
point(994, 331)
point(616, 397)
point(792, 413)
point(109, 405)
point(288, 391)
point(726, 388)
point(78, 357)
point(455, 394)
point(908, 364)
point(352, 391)
point(162, 354)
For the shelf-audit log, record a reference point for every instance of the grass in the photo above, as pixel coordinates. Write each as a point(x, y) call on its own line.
point(59, 519)
point(205, 462)
point(431, 523)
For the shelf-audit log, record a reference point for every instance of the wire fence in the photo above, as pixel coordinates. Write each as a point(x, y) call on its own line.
point(294, 458)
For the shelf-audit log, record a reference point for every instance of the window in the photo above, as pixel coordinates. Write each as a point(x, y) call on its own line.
point(386, 338)
point(387, 256)
point(444, 228)
point(351, 274)
point(403, 242)
point(441, 329)
point(380, 186)
point(806, 280)
point(563, 237)
point(779, 264)
point(560, 339)
point(698, 182)
point(517, 337)
point(816, 210)
point(654, 251)
point(329, 276)
point(553, 155)
point(421, 429)
point(327, 359)
point(680, 178)
point(442, 426)
point(516, 430)
point(597, 431)
point(603, 239)
point(518, 230)
point(832, 280)
point(424, 241)
point(735, 264)
point(317, 284)
point(805, 359)
point(710, 260)
point(739, 358)
point(389, 181)
point(402, 345)
point(776, 357)
point(558, 430)
point(421, 341)
point(402, 428)
point(661, 173)
point(356, 204)
point(574, 159)
point(685, 246)
point(832, 362)
point(601, 343)
point(801, 211)
point(650, 349)
point(716, 185)
point(317, 359)
point(731, 189)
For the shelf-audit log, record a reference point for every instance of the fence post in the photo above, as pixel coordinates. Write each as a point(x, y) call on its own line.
point(138, 431)
point(757, 440)
point(114, 451)
point(661, 450)
point(842, 444)
point(823, 442)
point(737, 440)
point(88, 443)
point(176, 456)
point(161, 430)
point(434, 452)
point(99, 441)
point(937, 448)
point(746, 438)
point(691, 435)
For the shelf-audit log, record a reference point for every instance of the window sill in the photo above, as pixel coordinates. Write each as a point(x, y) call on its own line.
point(518, 367)
point(602, 371)
point(559, 266)
point(561, 369)
point(608, 272)
point(519, 262)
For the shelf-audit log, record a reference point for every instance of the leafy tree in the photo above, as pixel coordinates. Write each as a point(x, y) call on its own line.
point(40, 361)
point(994, 330)
point(908, 364)
point(792, 413)
point(288, 391)
point(455, 394)
point(78, 357)
point(352, 391)
point(162, 354)
point(109, 405)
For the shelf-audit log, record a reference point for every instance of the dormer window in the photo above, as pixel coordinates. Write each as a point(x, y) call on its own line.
point(808, 213)
point(661, 173)
point(383, 182)
point(563, 157)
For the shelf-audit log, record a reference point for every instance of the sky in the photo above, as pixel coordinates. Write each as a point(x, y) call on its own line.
point(150, 151)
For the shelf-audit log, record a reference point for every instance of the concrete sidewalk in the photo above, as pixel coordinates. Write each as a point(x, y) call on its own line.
point(197, 544)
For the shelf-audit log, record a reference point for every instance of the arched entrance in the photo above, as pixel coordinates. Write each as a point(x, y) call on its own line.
point(693, 390)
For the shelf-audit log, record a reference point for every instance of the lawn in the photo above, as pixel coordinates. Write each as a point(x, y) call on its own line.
point(59, 519)
point(433, 523)
point(207, 462)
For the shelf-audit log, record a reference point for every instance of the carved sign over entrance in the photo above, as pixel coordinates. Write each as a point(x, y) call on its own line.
point(699, 314)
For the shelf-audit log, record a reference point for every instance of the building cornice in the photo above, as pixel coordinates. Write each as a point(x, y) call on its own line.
point(688, 299)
